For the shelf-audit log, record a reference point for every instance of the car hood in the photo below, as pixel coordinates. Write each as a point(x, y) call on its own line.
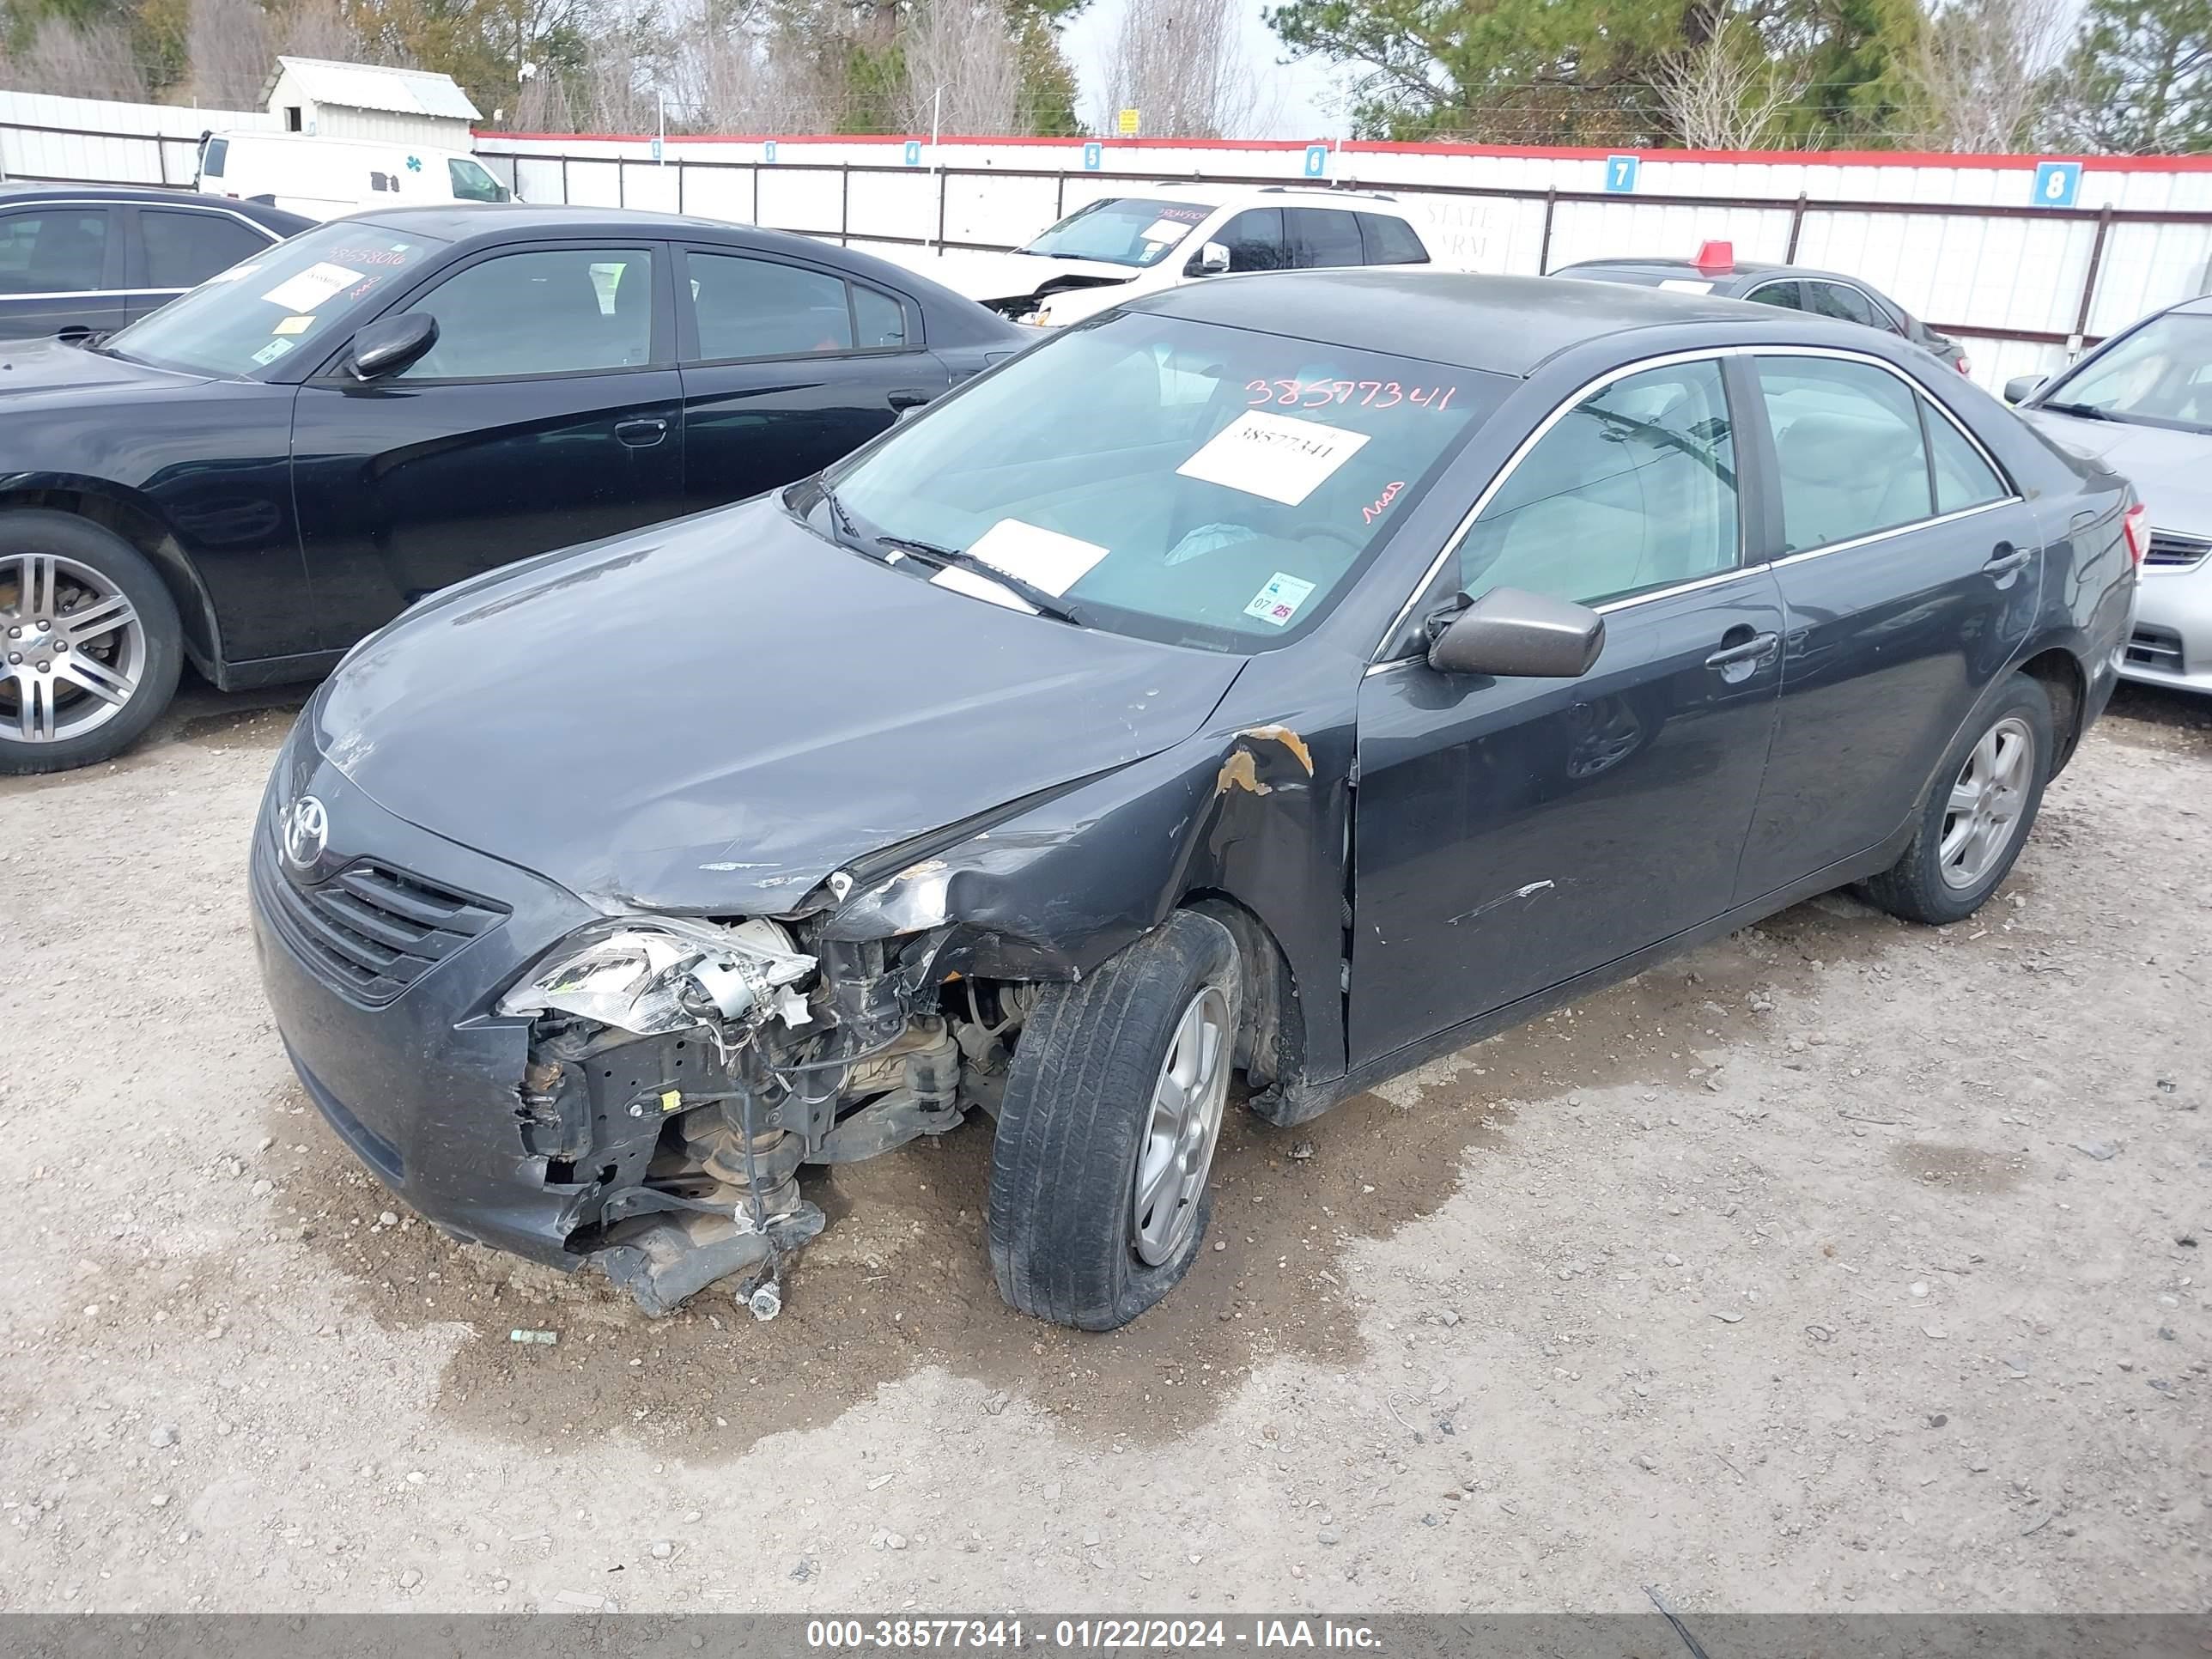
point(712, 715)
point(2171, 470)
point(31, 368)
point(987, 276)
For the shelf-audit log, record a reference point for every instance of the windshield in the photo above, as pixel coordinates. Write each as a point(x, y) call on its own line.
point(1203, 485)
point(471, 183)
point(1124, 230)
point(2159, 375)
point(305, 293)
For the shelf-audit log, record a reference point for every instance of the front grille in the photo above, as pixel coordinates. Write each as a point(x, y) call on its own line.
point(2152, 646)
point(2173, 552)
point(371, 930)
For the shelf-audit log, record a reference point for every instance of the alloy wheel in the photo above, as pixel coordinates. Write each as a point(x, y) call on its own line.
point(1184, 1123)
point(1982, 819)
point(72, 648)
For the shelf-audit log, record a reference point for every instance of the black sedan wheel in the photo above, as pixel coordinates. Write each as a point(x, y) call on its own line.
point(1106, 1135)
point(1976, 818)
point(89, 642)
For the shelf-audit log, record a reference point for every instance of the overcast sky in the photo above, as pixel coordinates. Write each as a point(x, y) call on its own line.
point(1303, 92)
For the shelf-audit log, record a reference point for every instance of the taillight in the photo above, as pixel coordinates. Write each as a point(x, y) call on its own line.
point(2134, 525)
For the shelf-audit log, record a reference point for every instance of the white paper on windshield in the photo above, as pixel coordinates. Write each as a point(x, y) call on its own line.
point(982, 587)
point(251, 268)
point(1684, 285)
point(1279, 601)
point(1273, 455)
point(311, 287)
point(293, 326)
point(1164, 230)
point(1042, 558)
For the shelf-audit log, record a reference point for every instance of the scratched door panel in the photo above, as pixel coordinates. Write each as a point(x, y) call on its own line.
point(1512, 834)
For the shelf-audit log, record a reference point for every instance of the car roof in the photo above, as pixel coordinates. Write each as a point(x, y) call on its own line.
point(1266, 195)
point(1600, 270)
point(1504, 325)
point(274, 218)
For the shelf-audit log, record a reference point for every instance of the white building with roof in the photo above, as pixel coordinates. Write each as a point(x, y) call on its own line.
point(329, 99)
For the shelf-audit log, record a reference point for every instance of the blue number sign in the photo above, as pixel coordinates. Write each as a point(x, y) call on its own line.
point(1094, 157)
point(2057, 183)
point(914, 152)
point(768, 150)
point(1620, 174)
point(1316, 161)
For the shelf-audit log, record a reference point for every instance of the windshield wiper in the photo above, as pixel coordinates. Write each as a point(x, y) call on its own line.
point(838, 515)
point(2087, 411)
point(959, 558)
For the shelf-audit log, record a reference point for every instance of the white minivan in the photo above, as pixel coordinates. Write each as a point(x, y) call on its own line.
point(326, 178)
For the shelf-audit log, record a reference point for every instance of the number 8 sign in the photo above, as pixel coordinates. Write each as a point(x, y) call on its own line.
point(2057, 183)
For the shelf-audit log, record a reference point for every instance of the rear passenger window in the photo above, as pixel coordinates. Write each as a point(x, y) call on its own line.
point(1635, 488)
point(1323, 237)
point(1962, 478)
point(882, 320)
point(184, 248)
point(759, 308)
point(1783, 295)
point(1390, 241)
point(1848, 440)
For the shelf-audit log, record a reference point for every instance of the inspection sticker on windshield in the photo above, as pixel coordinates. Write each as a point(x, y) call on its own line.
point(270, 353)
point(1042, 558)
point(1273, 455)
point(311, 287)
point(1279, 601)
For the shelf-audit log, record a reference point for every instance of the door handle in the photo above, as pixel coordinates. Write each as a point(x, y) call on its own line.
point(641, 431)
point(2007, 559)
point(1757, 649)
point(908, 397)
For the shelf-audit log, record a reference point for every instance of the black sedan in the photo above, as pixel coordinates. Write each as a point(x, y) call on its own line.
point(1297, 676)
point(264, 470)
point(87, 258)
point(1716, 270)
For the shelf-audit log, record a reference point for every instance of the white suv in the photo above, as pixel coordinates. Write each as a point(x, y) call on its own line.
point(1161, 236)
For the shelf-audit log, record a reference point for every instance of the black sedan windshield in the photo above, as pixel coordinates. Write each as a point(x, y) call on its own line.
point(1123, 230)
point(2159, 375)
point(303, 294)
point(1205, 485)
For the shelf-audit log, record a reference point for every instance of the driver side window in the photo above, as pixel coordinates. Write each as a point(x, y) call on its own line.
point(1633, 488)
point(562, 311)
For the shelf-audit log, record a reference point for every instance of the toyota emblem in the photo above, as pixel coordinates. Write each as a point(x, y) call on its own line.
point(306, 832)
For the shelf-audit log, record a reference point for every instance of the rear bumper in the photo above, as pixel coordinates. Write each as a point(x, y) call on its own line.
point(422, 1087)
point(2171, 642)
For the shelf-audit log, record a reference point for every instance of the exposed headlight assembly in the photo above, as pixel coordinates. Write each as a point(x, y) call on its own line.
point(668, 973)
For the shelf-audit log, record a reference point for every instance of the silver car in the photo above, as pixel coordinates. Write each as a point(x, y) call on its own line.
point(2141, 404)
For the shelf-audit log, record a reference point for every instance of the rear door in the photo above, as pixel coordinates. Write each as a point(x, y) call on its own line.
point(1512, 834)
point(788, 366)
point(62, 266)
point(549, 413)
point(176, 248)
point(1912, 572)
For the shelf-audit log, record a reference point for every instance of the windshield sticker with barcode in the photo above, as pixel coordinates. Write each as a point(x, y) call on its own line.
point(310, 288)
point(1274, 456)
point(275, 349)
point(1279, 601)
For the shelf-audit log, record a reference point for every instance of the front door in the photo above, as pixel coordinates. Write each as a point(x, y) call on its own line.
point(1512, 834)
point(1911, 572)
point(548, 413)
point(787, 366)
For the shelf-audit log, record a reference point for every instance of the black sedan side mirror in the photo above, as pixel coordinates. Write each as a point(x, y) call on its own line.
point(2021, 387)
point(1213, 259)
point(389, 345)
point(1510, 632)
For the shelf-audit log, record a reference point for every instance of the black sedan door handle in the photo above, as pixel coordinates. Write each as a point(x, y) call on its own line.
point(643, 431)
point(908, 397)
point(2007, 559)
point(1757, 649)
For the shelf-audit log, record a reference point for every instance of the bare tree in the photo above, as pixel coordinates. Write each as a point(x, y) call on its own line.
point(228, 47)
point(91, 60)
point(1725, 94)
point(1982, 74)
point(967, 48)
point(756, 70)
point(320, 28)
point(1179, 63)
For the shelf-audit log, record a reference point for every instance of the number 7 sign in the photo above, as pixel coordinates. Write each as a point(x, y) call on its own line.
point(1620, 174)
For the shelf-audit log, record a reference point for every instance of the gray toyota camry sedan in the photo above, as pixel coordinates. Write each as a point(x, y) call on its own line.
point(1241, 697)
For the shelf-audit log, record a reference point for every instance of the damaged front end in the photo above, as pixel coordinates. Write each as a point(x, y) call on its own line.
point(681, 1070)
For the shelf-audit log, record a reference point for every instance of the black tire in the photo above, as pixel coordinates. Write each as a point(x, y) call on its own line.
point(1916, 887)
point(1072, 1122)
point(125, 569)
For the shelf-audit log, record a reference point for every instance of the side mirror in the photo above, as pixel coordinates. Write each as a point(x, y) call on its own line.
point(1511, 633)
point(1213, 260)
point(2021, 387)
point(389, 345)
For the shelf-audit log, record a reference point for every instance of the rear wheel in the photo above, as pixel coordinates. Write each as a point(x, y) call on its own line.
point(1977, 816)
point(1106, 1133)
point(90, 645)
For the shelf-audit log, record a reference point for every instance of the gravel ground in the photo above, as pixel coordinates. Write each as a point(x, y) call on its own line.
point(1841, 1266)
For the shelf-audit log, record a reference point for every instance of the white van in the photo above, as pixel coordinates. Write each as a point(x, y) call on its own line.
point(326, 178)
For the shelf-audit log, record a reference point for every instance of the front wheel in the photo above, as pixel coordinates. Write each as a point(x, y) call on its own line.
point(1977, 817)
point(1106, 1133)
point(90, 644)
